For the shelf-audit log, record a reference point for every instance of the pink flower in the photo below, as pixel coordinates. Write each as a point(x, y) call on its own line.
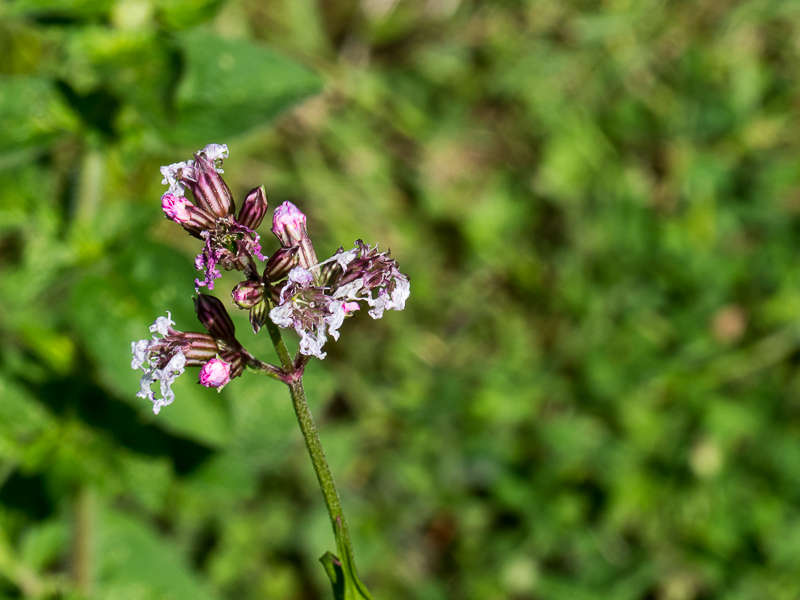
point(215, 373)
point(288, 224)
point(176, 208)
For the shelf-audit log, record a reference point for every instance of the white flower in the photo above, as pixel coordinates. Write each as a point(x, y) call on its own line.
point(149, 354)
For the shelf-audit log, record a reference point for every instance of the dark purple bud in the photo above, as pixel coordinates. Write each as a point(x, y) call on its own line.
point(208, 188)
point(280, 263)
point(248, 293)
point(254, 208)
point(215, 318)
point(258, 316)
point(215, 373)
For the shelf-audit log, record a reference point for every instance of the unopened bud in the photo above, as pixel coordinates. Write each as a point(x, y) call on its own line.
point(215, 373)
point(289, 226)
point(258, 316)
point(190, 217)
point(280, 263)
point(253, 209)
point(248, 293)
point(208, 188)
point(215, 318)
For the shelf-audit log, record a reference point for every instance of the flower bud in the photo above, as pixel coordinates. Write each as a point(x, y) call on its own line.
point(215, 373)
point(208, 188)
point(258, 316)
point(254, 208)
point(280, 263)
point(289, 226)
point(184, 213)
point(215, 318)
point(248, 293)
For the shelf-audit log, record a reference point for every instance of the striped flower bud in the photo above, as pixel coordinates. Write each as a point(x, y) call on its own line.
point(215, 318)
point(209, 189)
point(202, 177)
point(253, 209)
point(280, 263)
point(258, 316)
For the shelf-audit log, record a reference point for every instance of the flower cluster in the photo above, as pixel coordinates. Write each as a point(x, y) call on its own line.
point(163, 358)
point(292, 290)
point(315, 301)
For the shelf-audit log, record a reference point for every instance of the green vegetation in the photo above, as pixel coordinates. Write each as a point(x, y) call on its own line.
point(593, 391)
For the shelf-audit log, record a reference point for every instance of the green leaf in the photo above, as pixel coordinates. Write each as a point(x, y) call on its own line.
point(231, 87)
point(342, 572)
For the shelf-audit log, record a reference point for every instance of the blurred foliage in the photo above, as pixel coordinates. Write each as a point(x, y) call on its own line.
point(594, 390)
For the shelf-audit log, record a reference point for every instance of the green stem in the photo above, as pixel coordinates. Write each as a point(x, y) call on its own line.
point(294, 380)
point(319, 461)
point(280, 347)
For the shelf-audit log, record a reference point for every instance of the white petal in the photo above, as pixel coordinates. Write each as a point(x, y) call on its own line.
point(282, 315)
point(301, 276)
point(163, 324)
point(216, 151)
point(139, 350)
point(335, 318)
point(311, 346)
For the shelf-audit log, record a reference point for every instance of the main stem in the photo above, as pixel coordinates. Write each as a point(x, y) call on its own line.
point(313, 444)
point(321, 468)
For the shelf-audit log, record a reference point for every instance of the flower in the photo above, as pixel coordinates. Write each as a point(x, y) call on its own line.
point(289, 226)
point(230, 242)
point(215, 373)
point(202, 177)
point(317, 311)
point(164, 358)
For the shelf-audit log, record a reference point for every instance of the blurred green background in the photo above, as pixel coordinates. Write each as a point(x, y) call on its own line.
point(594, 389)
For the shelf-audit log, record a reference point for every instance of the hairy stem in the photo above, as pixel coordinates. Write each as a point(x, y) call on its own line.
point(293, 378)
point(319, 461)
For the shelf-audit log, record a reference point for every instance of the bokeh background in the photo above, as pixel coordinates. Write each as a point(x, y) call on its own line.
point(593, 391)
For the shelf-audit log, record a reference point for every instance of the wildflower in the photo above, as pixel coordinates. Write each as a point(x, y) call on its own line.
point(164, 358)
point(359, 275)
point(228, 243)
point(289, 226)
point(202, 177)
point(215, 373)
point(253, 209)
point(230, 246)
point(193, 219)
point(248, 293)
